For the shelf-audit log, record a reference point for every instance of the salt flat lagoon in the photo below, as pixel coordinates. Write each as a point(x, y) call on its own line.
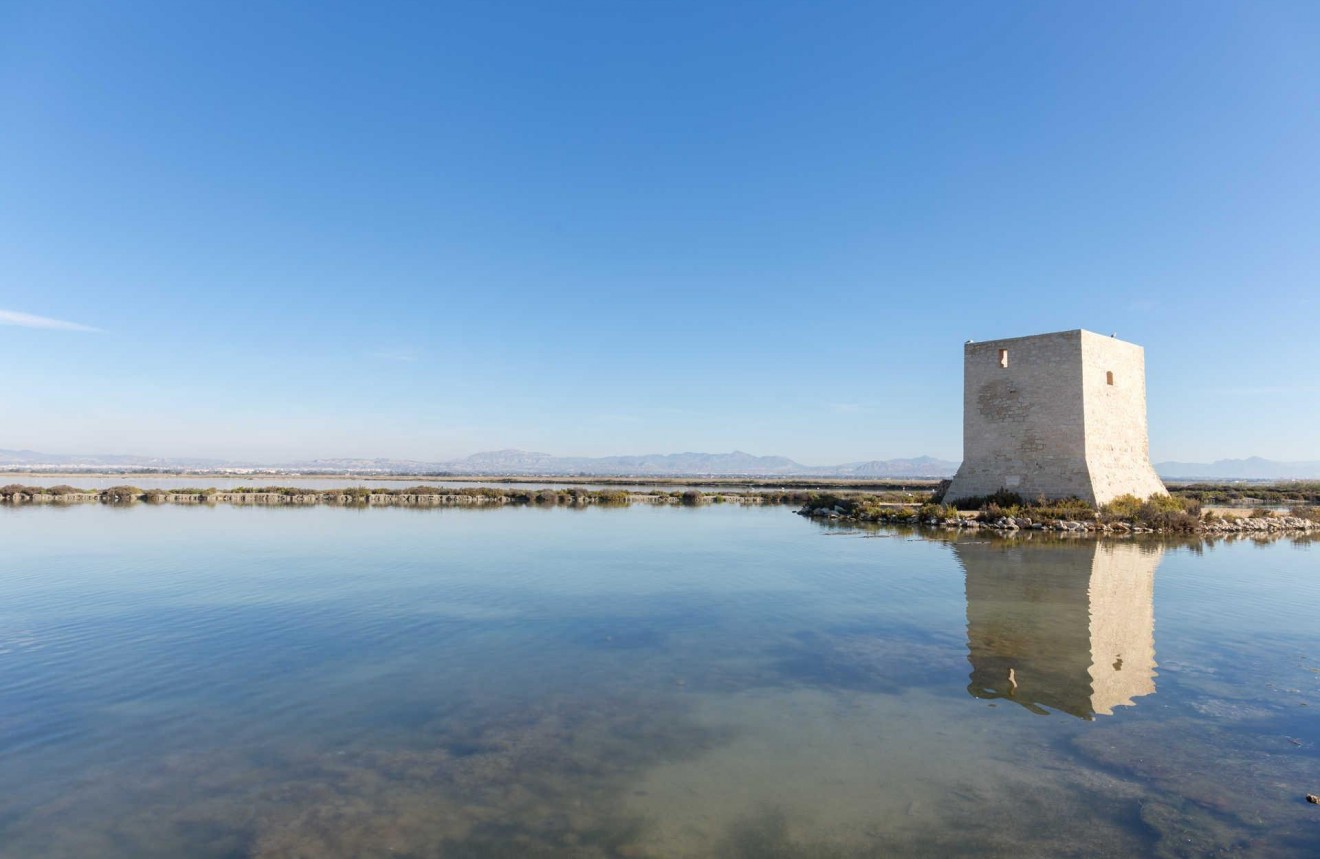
point(644, 682)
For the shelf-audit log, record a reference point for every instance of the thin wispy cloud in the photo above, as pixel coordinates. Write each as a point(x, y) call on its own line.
point(397, 356)
point(28, 320)
point(1266, 390)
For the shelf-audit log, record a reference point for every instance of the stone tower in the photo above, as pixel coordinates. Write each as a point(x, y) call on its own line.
point(1055, 415)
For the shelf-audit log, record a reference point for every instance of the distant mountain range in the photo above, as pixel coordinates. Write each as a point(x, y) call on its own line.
point(530, 463)
point(512, 463)
point(679, 464)
point(1253, 468)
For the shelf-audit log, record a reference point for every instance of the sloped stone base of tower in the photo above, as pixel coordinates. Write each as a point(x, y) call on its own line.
point(1109, 481)
point(1054, 481)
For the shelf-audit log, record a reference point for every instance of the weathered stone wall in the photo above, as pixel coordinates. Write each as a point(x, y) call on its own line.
point(1117, 441)
point(1050, 424)
point(1023, 425)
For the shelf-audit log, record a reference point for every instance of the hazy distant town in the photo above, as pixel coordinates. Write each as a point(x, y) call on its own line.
point(520, 463)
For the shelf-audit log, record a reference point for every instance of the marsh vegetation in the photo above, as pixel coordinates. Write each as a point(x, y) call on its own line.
point(1170, 514)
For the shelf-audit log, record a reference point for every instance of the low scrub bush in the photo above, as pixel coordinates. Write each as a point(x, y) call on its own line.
point(1161, 512)
point(1124, 508)
point(798, 496)
point(992, 511)
point(899, 515)
point(824, 501)
point(1129, 508)
point(1010, 505)
point(1002, 499)
point(1071, 509)
point(932, 510)
point(1171, 520)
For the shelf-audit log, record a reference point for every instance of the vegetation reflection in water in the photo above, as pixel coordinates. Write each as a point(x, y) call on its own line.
point(746, 688)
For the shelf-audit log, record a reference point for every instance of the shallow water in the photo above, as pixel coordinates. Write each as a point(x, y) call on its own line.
point(722, 682)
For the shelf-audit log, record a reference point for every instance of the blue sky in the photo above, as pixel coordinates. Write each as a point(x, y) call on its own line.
point(427, 229)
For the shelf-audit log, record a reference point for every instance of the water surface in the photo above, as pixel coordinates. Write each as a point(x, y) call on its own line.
point(725, 681)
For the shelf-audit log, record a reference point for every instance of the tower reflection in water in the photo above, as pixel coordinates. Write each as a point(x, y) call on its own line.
point(1064, 626)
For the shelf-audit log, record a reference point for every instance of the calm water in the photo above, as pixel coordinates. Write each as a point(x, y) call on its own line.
point(718, 682)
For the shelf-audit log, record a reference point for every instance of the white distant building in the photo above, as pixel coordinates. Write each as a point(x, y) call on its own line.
point(1056, 416)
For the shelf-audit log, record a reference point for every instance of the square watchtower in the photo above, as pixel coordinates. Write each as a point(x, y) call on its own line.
point(1055, 415)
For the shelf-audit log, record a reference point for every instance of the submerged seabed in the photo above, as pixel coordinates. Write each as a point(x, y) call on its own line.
point(644, 682)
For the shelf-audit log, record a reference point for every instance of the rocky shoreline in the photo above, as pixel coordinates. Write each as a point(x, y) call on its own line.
point(24, 495)
point(826, 508)
point(1007, 524)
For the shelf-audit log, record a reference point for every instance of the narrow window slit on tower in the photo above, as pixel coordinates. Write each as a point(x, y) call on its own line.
point(1003, 359)
point(1109, 377)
